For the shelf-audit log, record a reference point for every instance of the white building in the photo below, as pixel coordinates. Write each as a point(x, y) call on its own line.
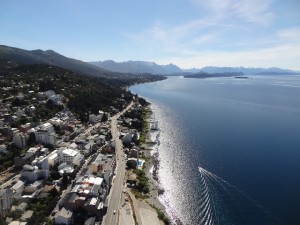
point(45, 134)
point(19, 140)
point(53, 158)
point(70, 157)
point(56, 121)
point(6, 200)
point(18, 189)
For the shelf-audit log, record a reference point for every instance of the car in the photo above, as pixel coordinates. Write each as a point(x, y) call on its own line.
point(114, 211)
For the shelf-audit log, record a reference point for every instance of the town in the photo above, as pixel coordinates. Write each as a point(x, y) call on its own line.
point(62, 167)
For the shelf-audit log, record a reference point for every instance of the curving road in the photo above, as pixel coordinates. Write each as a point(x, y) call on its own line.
point(111, 218)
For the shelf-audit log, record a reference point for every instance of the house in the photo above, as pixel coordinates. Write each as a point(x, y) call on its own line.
point(6, 200)
point(110, 147)
point(63, 217)
point(49, 93)
point(3, 148)
point(92, 118)
point(26, 215)
point(30, 110)
point(56, 99)
point(19, 140)
point(137, 106)
point(134, 152)
point(127, 136)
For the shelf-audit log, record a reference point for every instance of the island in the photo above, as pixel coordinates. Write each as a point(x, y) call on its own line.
point(203, 75)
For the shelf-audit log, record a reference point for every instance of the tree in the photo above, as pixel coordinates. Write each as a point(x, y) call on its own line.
point(53, 192)
point(104, 118)
point(64, 181)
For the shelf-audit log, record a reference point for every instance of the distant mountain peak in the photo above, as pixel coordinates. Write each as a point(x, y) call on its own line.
point(133, 66)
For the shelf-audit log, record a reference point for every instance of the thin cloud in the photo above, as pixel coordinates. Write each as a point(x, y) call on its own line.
point(291, 34)
point(281, 56)
point(252, 11)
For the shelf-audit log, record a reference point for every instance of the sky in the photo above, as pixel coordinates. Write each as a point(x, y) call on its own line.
point(188, 33)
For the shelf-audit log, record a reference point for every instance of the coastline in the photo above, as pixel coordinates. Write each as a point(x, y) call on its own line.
point(151, 151)
point(151, 168)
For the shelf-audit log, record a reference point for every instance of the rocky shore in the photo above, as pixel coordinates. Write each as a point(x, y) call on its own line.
point(151, 170)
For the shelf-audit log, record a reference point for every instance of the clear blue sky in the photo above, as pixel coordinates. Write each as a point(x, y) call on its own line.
point(188, 33)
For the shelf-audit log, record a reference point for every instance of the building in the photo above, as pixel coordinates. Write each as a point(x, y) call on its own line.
point(134, 152)
point(29, 173)
point(56, 121)
point(103, 163)
point(53, 158)
point(92, 118)
point(63, 217)
point(19, 140)
point(6, 200)
point(71, 157)
point(18, 189)
point(45, 134)
point(49, 93)
point(56, 99)
point(39, 169)
point(126, 137)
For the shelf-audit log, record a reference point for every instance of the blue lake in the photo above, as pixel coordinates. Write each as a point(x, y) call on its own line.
point(229, 148)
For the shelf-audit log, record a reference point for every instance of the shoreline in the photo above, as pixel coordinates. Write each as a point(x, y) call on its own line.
point(151, 152)
point(151, 168)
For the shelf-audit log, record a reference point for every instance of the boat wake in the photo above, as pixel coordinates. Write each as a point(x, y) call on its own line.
point(221, 203)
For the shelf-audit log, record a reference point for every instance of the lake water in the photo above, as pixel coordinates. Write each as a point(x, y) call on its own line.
point(229, 148)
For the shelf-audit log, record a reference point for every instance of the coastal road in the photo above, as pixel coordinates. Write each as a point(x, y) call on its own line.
point(111, 217)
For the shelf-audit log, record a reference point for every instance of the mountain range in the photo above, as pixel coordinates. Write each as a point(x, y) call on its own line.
point(244, 70)
point(111, 69)
point(137, 67)
point(171, 69)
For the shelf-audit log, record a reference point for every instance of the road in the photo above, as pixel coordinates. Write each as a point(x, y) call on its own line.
point(111, 218)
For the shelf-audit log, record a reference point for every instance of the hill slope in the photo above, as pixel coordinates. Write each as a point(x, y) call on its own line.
point(52, 58)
